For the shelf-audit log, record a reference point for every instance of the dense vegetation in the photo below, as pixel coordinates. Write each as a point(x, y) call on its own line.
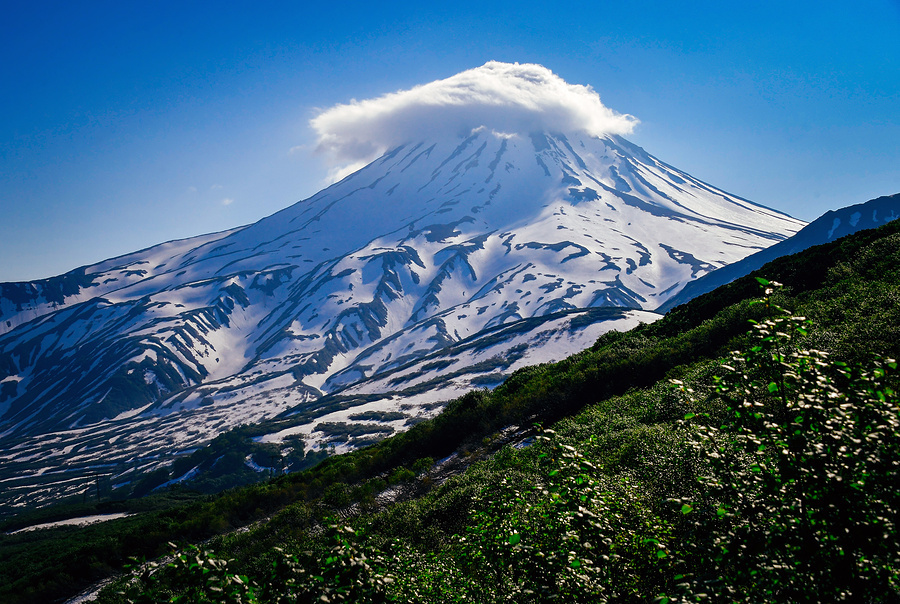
point(767, 474)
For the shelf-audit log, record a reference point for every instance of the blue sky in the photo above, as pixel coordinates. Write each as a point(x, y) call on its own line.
point(123, 125)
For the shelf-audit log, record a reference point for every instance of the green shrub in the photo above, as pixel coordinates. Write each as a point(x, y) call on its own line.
point(800, 494)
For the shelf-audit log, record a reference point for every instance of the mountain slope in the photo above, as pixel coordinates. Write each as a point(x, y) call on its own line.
point(432, 244)
point(832, 225)
point(631, 434)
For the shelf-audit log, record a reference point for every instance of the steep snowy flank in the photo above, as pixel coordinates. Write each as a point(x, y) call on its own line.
point(832, 225)
point(432, 243)
point(508, 239)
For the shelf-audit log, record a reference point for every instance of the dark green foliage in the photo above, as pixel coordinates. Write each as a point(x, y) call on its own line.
point(337, 569)
point(150, 481)
point(802, 475)
point(379, 416)
point(344, 432)
point(193, 575)
point(423, 465)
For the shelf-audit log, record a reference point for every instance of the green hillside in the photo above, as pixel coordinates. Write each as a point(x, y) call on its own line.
point(698, 458)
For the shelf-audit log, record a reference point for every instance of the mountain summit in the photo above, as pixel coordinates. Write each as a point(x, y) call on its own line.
point(503, 247)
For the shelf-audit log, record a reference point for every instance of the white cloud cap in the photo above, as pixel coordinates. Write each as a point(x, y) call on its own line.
point(503, 97)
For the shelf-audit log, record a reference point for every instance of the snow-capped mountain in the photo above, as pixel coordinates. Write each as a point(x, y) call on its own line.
point(503, 248)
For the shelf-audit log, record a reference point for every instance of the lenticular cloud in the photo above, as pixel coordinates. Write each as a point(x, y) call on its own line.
point(506, 98)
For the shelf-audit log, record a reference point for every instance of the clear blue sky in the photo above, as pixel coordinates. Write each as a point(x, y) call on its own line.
point(126, 124)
